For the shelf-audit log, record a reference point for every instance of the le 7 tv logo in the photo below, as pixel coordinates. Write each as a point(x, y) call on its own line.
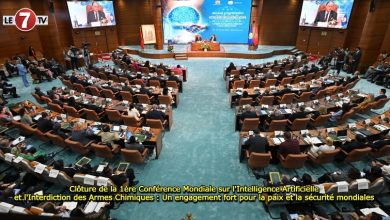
point(25, 19)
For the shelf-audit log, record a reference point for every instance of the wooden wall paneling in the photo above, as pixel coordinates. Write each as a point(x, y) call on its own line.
point(157, 20)
point(303, 38)
point(374, 32)
point(257, 7)
point(130, 15)
point(279, 22)
point(64, 26)
point(386, 41)
point(356, 23)
point(12, 40)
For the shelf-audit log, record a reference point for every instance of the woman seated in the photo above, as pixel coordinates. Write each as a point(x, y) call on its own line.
point(25, 117)
point(315, 151)
point(133, 112)
point(48, 73)
point(5, 114)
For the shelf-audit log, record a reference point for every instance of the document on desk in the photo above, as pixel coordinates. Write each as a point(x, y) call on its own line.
point(377, 210)
point(307, 140)
point(276, 141)
point(70, 205)
point(5, 207)
point(90, 207)
point(18, 159)
point(37, 117)
point(263, 112)
point(17, 118)
point(89, 180)
point(99, 206)
point(339, 104)
point(315, 140)
point(289, 111)
point(54, 173)
point(39, 168)
point(102, 181)
point(308, 109)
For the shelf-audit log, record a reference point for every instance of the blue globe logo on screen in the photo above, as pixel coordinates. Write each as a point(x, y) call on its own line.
point(183, 15)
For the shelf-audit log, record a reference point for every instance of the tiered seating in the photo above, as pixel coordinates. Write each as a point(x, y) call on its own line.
point(151, 138)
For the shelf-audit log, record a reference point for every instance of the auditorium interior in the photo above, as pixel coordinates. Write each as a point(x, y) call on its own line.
point(178, 119)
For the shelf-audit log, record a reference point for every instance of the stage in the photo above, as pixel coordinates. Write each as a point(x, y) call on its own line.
point(227, 50)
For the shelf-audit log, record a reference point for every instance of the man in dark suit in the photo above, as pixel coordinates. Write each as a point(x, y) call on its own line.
point(283, 91)
point(144, 90)
point(44, 124)
point(95, 15)
point(381, 95)
point(305, 70)
point(328, 14)
point(39, 92)
point(248, 113)
point(314, 68)
point(289, 146)
point(172, 77)
point(359, 143)
point(356, 59)
point(155, 114)
point(256, 143)
point(300, 114)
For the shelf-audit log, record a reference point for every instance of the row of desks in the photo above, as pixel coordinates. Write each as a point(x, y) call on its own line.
point(331, 104)
point(153, 137)
point(322, 134)
point(86, 99)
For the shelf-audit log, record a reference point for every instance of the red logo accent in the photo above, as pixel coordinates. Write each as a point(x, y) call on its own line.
point(25, 19)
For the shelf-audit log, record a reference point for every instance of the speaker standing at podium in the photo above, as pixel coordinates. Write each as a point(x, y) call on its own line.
point(213, 38)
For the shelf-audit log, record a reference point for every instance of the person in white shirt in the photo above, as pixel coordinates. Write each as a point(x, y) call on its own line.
point(133, 112)
point(315, 151)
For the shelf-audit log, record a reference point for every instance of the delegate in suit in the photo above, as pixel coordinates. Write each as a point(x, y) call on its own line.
point(328, 14)
point(95, 15)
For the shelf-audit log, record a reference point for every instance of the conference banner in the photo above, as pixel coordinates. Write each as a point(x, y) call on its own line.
point(227, 19)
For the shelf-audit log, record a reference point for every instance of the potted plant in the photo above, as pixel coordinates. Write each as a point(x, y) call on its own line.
point(188, 217)
point(170, 48)
point(205, 46)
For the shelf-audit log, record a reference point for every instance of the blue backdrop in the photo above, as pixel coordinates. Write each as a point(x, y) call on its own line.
point(227, 19)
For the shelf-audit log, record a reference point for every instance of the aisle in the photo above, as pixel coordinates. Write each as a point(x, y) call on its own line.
point(201, 148)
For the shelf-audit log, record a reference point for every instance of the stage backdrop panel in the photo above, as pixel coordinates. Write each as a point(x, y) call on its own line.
point(148, 33)
point(228, 19)
point(326, 13)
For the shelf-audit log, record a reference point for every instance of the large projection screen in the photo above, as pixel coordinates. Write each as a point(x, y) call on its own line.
point(326, 13)
point(86, 14)
point(227, 19)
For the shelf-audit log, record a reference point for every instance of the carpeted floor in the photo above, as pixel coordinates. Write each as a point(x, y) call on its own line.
point(200, 149)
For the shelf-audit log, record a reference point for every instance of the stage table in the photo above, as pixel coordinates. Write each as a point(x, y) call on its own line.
point(214, 46)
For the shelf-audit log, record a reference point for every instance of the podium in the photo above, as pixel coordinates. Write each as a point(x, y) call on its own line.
point(214, 46)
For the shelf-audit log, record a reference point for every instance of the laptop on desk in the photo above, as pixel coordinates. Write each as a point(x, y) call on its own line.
point(342, 134)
